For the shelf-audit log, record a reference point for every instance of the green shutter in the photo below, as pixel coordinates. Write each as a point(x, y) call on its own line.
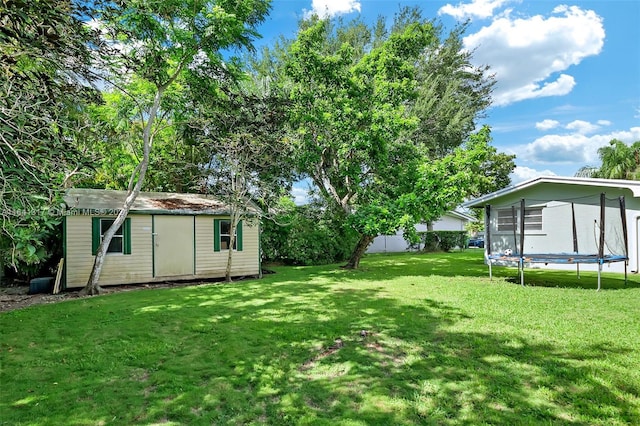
point(216, 234)
point(239, 236)
point(95, 235)
point(126, 236)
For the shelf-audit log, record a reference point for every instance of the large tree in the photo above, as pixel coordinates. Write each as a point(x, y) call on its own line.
point(370, 108)
point(161, 43)
point(45, 87)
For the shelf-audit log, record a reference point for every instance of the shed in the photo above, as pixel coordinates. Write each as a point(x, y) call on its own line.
point(565, 216)
point(166, 236)
point(450, 221)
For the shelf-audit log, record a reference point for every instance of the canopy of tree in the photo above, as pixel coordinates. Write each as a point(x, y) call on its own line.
point(384, 122)
point(44, 90)
point(379, 118)
point(619, 161)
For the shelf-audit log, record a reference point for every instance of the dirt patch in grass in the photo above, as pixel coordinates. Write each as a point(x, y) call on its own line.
point(18, 297)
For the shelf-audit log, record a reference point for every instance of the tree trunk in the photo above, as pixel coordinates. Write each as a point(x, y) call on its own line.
point(232, 240)
point(358, 252)
point(93, 286)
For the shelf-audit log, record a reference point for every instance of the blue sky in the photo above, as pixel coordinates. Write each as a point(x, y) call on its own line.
point(568, 73)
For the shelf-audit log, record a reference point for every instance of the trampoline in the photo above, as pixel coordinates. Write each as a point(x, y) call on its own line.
point(586, 230)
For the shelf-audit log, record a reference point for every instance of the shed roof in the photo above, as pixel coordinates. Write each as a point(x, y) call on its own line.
point(632, 185)
point(106, 201)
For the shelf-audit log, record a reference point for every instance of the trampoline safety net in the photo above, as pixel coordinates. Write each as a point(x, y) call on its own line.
point(589, 229)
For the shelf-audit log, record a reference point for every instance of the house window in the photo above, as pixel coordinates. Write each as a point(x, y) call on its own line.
point(506, 220)
point(532, 219)
point(222, 235)
point(121, 241)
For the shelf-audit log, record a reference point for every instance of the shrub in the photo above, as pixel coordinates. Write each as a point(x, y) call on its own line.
point(307, 235)
point(444, 240)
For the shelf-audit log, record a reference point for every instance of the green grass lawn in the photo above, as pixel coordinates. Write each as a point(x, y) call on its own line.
point(408, 339)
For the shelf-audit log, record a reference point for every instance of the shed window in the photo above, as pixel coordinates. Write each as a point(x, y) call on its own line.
point(121, 241)
point(222, 235)
point(532, 219)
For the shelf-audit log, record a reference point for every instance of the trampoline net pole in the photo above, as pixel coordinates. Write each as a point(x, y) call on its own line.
point(623, 217)
point(602, 226)
point(522, 228)
point(487, 228)
point(575, 230)
point(514, 220)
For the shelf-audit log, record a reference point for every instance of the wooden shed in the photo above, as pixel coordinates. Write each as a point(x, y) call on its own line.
point(166, 236)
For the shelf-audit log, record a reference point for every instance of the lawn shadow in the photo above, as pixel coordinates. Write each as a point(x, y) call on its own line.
point(470, 263)
point(310, 352)
point(570, 279)
point(302, 351)
point(353, 354)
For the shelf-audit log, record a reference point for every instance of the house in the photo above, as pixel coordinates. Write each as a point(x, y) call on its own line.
point(450, 221)
point(563, 217)
point(166, 236)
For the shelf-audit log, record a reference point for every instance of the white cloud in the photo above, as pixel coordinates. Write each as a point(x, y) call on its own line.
point(547, 124)
point(582, 127)
point(475, 9)
point(530, 55)
point(522, 173)
point(572, 148)
point(329, 8)
point(300, 195)
point(577, 126)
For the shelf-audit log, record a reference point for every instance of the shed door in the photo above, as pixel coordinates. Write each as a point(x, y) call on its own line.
point(173, 251)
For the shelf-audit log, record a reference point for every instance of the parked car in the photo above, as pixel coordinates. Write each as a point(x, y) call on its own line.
point(476, 242)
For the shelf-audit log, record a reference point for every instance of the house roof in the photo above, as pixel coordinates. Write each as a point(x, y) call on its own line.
point(632, 185)
point(461, 215)
point(105, 201)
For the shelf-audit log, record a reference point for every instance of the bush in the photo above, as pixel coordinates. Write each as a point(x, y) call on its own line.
point(444, 240)
point(307, 235)
point(30, 245)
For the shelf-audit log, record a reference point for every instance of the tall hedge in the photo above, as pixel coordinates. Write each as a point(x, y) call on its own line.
point(307, 235)
point(444, 240)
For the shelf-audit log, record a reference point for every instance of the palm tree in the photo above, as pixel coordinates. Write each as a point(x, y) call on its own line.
point(619, 160)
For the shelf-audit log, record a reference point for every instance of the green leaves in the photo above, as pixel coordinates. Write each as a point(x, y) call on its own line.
point(45, 63)
point(348, 105)
point(619, 160)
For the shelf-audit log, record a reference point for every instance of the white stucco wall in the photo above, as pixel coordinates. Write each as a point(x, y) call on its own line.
point(396, 243)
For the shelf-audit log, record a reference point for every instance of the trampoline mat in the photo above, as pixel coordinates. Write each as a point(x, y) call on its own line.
point(560, 258)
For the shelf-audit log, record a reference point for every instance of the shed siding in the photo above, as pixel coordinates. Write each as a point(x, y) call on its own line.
point(210, 263)
point(138, 266)
point(118, 269)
